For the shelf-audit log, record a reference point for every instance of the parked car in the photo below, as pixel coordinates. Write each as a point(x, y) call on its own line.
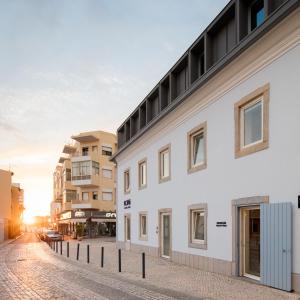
point(53, 235)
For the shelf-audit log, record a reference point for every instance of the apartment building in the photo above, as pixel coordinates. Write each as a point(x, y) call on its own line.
point(207, 163)
point(56, 203)
point(87, 184)
point(11, 206)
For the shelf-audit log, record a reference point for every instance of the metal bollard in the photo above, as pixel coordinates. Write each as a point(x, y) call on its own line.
point(56, 246)
point(60, 247)
point(88, 254)
point(77, 251)
point(68, 250)
point(102, 257)
point(143, 265)
point(120, 269)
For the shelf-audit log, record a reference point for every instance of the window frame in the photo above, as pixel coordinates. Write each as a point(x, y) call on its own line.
point(108, 192)
point(143, 237)
point(82, 198)
point(95, 193)
point(193, 243)
point(140, 163)
point(126, 189)
point(202, 128)
point(259, 95)
point(166, 148)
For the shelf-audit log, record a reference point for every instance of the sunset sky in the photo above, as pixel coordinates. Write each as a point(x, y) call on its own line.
point(60, 58)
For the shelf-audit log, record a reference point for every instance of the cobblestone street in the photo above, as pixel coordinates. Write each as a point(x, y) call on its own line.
point(29, 269)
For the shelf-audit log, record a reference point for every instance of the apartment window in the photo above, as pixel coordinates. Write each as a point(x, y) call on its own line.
point(81, 170)
point(107, 196)
point(85, 151)
point(70, 195)
point(127, 181)
point(85, 196)
point(164, 157)
point(142, 170)
point(107, 173)
point(257, 14)
point(107, 150)
point(95, 195)
point(95, 167)
point(95, 149)
point(196, 140)
point(143, 228)
point(198, 226)
point(251, 122)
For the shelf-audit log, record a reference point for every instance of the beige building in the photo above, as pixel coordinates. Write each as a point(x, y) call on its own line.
point(84, 182)
point(11, 206)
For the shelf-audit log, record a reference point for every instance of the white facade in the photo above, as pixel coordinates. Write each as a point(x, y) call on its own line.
point(272, 172)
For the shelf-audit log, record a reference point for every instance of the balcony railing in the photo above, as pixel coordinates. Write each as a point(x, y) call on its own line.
point(82, 177)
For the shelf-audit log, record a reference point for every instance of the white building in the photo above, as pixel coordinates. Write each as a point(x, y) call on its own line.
point(208, 164)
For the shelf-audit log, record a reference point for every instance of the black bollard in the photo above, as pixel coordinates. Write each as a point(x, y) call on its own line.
point(102, 257)
point(68, 251)
point(56, 246)
point(88, 254)
point(120, 269)
point(60, 247)
point(143, 265)
point(77, 251)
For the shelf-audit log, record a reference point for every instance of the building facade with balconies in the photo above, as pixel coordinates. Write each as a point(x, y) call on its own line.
point(88, 184)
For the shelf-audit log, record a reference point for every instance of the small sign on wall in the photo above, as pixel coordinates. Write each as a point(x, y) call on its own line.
point(221, 224)
point(127, 204)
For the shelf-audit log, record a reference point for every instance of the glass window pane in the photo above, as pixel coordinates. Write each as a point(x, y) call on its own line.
point(198, 223)
point(165, 164)
point(198, 149)
point(253, 123)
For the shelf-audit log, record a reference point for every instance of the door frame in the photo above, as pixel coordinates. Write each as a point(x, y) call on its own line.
point(236, 204)
point(161, 212)
point(127, 242)
point(242, 258)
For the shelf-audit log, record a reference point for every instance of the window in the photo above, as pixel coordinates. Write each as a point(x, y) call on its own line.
point(95, 167)
point(164, 163)
point(107, 196)
point(251, 122)
point(70, 195)
point(85, 196)
point(143, 230)
point(67, 174)
point(257, 13)
point(197, 148)
point(95, 195)
point(142, 170)
point(106, 150)
point(107, 173)
point(81, 170)
point(85, 151)
point(126, 181)
point(198, 226)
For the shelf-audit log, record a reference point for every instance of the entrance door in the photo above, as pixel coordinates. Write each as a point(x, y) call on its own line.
point(165, 235)
point(276, 245)
point(250, 242)
point(127, 232)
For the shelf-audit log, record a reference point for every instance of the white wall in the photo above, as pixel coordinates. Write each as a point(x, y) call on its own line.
point(273, 172)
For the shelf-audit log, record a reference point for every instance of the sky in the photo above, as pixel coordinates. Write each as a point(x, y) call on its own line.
point(68, 66)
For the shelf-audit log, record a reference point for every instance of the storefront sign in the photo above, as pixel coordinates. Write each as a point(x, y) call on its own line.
point(110, 215)
point(79, 214)
point(221, 224)
point(127, 204)
point(66, 215)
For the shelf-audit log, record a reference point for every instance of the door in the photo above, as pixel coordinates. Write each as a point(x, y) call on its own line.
point(165, 235)
point(250, 242)
point(127, 232)
point(276, 245)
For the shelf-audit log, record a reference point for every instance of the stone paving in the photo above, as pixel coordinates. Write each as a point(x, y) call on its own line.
point(29, 269)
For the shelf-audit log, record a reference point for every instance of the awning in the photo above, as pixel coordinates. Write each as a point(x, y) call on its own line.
point(85, 138)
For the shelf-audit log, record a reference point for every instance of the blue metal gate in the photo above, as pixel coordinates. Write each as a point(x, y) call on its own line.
point(276, 245)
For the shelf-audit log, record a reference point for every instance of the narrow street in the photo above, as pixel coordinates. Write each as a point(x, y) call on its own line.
point(28, 270)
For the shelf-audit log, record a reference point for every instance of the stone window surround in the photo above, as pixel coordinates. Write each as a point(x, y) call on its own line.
point(143, 238)
point(144, 160)
point(160, 151)
point(126, 191)
point(198, 206)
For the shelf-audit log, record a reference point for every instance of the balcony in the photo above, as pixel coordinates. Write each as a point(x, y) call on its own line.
point(85, 156)
point(66, 206)
point(86, 180)
point(78, 204)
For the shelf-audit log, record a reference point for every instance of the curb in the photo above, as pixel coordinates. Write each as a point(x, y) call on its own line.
point(7, 242)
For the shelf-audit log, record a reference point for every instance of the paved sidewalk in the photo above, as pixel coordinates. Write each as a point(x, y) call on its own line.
point(162, 274)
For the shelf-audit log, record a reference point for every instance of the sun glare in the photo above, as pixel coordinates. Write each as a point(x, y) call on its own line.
point(28, 218)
